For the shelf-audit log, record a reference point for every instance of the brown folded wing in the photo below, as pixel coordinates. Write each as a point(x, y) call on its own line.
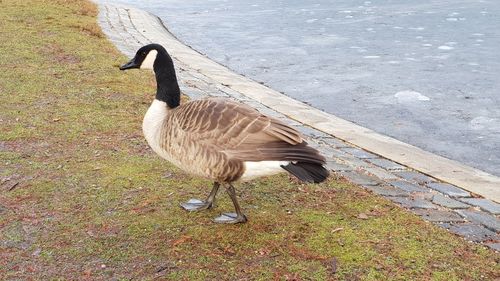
point(242, 133)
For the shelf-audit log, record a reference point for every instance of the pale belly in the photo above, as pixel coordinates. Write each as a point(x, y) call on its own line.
point(263, 168)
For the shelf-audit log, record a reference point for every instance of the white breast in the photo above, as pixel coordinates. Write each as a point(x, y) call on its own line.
point(151, 124)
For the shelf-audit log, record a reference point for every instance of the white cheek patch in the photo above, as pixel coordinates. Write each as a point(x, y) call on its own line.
point(149, 60)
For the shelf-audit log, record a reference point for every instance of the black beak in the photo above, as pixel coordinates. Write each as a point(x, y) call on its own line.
point(129, 65)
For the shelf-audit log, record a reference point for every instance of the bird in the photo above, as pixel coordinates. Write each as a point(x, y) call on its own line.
point(219, 139)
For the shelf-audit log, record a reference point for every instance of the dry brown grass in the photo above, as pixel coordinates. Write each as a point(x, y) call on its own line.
point(92, 29)
point(80, 7)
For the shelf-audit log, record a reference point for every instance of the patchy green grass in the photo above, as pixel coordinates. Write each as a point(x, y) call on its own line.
point(82, 196)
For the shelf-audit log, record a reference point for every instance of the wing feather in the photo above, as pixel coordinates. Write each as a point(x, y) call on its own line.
point(242, 132)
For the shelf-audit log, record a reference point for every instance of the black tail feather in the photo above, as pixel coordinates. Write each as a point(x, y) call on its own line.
point(307, 172)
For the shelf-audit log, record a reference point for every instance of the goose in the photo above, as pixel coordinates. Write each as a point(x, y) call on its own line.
point(219, 139)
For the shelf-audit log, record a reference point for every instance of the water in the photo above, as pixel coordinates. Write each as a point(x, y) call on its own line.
point(424, 72)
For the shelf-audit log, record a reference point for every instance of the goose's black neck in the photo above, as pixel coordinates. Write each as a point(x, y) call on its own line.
point(166, 81)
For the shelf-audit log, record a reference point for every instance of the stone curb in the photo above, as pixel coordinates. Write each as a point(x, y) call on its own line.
point(130, 28)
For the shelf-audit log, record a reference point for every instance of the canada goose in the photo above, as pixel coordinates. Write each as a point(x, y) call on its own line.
point(219, 139)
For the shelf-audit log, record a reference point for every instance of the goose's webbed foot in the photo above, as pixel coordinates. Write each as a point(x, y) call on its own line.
point(237, 217)
point(198, 205)
point(230, 218)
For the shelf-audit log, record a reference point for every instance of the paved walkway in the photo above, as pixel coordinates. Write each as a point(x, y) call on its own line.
point(447, 205)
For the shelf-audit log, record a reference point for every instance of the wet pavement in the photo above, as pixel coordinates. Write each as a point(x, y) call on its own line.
point(425, 73)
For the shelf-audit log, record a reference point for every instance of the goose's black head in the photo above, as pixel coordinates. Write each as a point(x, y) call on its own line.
point(155, 57)
point(145, 57)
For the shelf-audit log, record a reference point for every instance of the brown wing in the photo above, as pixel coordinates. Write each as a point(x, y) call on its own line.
point(242, 132)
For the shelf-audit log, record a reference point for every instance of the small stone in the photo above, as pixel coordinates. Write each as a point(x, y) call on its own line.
point(437, 215)
point(37, 252)
point(448, 189)
point(359, 153)
point(485, 204)
point(471, 231)
point(359, 178)
point(11, 185)
point(3, 209)
point(448, 202)
point(334, 265)
point(409, 187)
point(415, 177)
point(385, 190)
point(363, 216)
point(386, 164)
point(167, 175)
point(415, 203)
point(480, 217)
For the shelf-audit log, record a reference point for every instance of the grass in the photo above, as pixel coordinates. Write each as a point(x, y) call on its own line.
point(83, 198)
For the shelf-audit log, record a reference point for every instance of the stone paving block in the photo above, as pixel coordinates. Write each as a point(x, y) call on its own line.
point(288, 121)
point(359, 153)
point(337, 167)
point(386, 190)
point(449, 189)
point(236, 95)
point(213, 93)
point(349, 160)
point(325, 151)
point(483, 218)
point(322, 148)
point(409, 187)
point(437, 215)
point(195, 76)
point(262, 108)
point(485, 204)
point(380, 173)
point(414, 176)
point(192, 93)
point(386, 164)
point(310, 131)
point(360, 179)
point(414, 203)
point(334, 142)
point(494, 246)
point(471, 231)
point(448, 202)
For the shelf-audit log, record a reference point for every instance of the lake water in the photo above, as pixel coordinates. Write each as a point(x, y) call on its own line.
point(424, 72)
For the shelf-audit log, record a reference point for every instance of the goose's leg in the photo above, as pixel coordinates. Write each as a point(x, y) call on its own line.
point(237, 217)
point(197, 205)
